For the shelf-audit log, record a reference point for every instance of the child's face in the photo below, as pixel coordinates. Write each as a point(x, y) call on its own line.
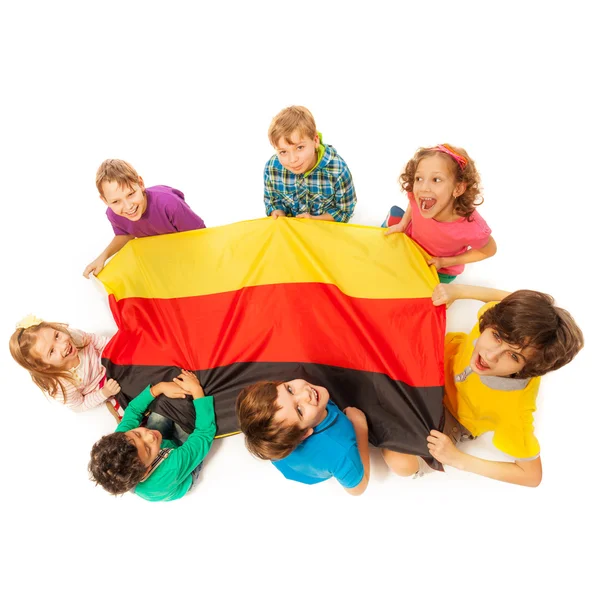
point(299, 156)
point(56, 349)
point(493, 356)
point(301, 403)
point(126, 202)
point(147, 442)
point(435, 187)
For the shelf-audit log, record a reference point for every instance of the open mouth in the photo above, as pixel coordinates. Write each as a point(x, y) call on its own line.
point(481, 364)
point(68, 351)
point(315, 394)
point(427, 203)
point(131, 213)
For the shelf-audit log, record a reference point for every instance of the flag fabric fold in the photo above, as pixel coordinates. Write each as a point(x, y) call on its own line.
point(339, 305)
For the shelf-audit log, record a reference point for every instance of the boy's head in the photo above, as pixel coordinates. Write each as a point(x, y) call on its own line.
point(121, 189)
point(525, 335)
point(275, 416)
point(120, 460)
point(294, 136)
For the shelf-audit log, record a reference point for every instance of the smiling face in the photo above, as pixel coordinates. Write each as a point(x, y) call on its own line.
point(147, 442)
point(302, 404)
point(493, 356)
point(300, 155)
point(435, 188)
point(125, 201)
point(55, 349)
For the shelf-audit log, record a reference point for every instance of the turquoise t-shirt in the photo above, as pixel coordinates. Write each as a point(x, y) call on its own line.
point(331, 451)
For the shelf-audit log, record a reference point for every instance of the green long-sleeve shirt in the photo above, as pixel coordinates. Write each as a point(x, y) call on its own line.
point(172, 478)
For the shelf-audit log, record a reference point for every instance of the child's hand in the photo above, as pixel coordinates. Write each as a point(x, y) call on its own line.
point(397, 228)
point(169, 389)
point(94, 267)
point(304, 216)
point(444, 293)
point(439, 262)
point(356, 416)
point(441, 448)
point(111, 388)
point(278, 213)
point(189, 383)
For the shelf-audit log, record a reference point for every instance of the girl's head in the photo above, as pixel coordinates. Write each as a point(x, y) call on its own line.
point(444, 182)
point(46, 350)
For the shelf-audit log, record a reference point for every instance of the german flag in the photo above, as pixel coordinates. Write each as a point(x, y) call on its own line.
point(339, 305)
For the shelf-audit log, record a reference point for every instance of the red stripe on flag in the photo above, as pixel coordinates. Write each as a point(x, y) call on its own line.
point(305, 322)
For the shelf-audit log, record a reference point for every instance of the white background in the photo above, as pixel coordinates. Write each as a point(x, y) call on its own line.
point(186, 95)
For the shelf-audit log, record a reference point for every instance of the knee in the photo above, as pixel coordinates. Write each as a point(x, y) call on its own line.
point(403, 465)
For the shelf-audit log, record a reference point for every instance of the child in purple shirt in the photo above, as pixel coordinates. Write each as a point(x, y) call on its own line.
point(135, 211)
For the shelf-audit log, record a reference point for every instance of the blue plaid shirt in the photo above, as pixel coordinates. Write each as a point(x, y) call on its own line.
point(328, 188)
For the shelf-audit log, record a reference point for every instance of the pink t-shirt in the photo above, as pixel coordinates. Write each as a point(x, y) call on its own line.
point(447, 239)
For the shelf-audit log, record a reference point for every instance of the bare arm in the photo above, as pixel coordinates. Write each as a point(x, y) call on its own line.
point(520, 472)
point(115, 245)
point(359, 422)
point(445, 293)
point(470, 256)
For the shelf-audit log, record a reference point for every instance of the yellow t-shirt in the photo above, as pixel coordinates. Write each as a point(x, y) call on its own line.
point(481, 408)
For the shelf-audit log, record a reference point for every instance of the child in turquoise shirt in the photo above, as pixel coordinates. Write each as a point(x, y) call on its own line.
point(139, 459)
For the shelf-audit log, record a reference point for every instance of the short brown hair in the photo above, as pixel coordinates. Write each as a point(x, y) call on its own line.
point(465, 204)
point(114, 169)
point(266, 438)
point(115, 464)
point(289, 120)
point(529, 319)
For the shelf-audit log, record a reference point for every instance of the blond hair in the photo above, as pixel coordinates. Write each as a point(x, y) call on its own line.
point(47, 378)
point(114, 169)
point(290, 120)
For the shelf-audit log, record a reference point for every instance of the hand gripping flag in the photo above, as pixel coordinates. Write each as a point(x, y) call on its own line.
point(342, 306)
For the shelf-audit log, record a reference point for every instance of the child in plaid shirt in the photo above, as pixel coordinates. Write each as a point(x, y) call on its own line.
point(305, 178)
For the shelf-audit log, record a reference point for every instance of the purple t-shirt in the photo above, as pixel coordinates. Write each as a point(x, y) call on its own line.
point(166, 212)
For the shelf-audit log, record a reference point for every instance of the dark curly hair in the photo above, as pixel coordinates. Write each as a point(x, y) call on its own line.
point(115, 464)
point(529, 319)
point(465, 204)
point(266, 438)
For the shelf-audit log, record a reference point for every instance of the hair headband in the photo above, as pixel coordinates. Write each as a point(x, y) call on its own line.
point(26, 323)
point(461, 160)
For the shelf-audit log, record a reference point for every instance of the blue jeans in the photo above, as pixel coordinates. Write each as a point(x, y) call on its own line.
point(172, 431)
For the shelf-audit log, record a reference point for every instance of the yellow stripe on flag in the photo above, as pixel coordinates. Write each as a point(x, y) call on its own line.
point(360, 260)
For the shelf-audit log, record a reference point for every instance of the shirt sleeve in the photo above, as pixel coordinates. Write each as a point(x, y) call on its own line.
point(273, 199)
point(98, 342)
point(182, 217)
point(481, 232)
point(518, 441)
point(117, 230)
point(188, 456)
point(134, 413)
point(76, 401)
point(345, 198)
point(350, 471)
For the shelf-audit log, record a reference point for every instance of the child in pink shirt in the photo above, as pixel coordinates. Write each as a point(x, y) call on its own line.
point(443, 190)
point(65, 364)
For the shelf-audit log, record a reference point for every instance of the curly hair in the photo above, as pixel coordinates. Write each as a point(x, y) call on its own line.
point(529, 319)
point(465, 204)
point(265, 437)
point(115, 464)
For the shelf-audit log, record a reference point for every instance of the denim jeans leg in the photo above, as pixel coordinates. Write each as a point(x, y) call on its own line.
point(162, 424)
